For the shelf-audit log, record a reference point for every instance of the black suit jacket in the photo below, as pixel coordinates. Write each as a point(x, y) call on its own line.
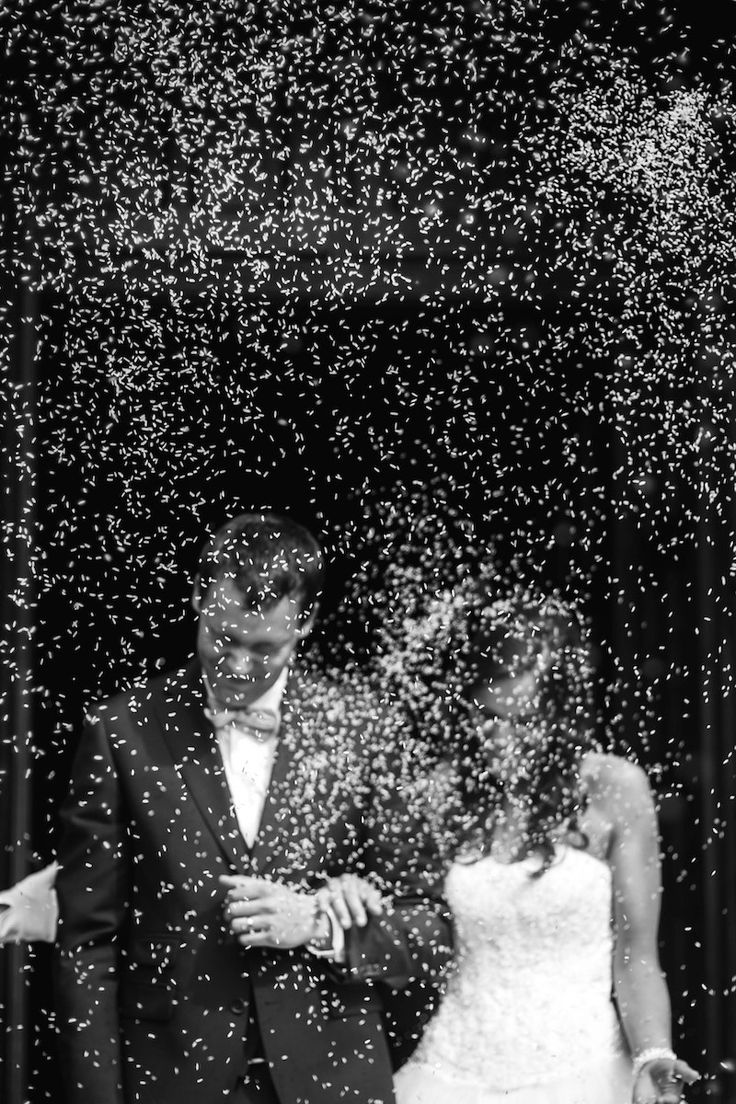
point(153, 992)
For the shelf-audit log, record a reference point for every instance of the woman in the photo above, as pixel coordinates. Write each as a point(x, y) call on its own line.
point(554, 884)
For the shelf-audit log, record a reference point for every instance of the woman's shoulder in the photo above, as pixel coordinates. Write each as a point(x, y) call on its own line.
point(614, 782)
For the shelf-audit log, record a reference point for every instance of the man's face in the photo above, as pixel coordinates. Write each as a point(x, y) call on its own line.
point(244, 651)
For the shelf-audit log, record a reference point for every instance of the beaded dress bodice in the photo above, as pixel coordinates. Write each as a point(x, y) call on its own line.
point(530, 992)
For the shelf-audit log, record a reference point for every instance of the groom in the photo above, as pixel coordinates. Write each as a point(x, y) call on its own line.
point(195, 961)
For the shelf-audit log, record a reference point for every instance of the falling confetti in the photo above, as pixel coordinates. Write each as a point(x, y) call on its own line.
point(451, 284)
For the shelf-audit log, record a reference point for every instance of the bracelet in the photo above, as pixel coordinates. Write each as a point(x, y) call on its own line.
point(651, 1054)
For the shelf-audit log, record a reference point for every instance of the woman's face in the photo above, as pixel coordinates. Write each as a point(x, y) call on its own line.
point(507, 712)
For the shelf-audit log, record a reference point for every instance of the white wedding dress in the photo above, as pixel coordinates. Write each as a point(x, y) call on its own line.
point(527, 1017)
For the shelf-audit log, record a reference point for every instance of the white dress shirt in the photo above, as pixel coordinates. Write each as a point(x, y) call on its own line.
point(248, 761)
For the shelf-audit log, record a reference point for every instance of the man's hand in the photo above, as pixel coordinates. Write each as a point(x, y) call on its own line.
point(351, 899)
point(261, 913)
point(661, 1081)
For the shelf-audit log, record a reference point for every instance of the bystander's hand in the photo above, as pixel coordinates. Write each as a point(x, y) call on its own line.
point(29, 910)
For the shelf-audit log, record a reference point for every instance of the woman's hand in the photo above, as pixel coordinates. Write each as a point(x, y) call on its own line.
point(661, 1081)
point(352, 899)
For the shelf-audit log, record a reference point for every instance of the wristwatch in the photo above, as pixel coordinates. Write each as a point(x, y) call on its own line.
point(332, 943)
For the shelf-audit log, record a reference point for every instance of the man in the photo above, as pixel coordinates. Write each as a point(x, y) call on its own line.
point(206, 811)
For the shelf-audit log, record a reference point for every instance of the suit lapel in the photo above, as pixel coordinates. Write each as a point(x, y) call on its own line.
point(287, 839)
point(269, 841)
point(196, 757)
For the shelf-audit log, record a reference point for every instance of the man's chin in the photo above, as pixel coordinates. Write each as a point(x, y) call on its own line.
point(239, 695)
point(239, 699)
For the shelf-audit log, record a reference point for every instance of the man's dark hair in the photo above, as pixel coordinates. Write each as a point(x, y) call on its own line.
point(268, 557)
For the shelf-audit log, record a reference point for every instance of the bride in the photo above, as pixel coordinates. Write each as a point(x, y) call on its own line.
point(556, 996)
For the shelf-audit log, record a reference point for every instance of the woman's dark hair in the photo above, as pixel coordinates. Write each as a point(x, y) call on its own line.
point(505, 639)
point(268, 557)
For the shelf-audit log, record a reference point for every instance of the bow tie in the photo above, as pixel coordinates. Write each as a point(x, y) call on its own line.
point(264, 723)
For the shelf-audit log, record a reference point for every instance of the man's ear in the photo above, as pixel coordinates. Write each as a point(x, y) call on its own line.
point(306, 628)
point(196, 598)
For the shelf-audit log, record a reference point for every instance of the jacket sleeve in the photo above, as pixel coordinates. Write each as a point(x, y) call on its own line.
point(412, 940)
point(93, 891)
point(407, 950)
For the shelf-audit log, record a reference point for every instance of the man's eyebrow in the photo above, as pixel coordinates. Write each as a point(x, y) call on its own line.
point(227, 633)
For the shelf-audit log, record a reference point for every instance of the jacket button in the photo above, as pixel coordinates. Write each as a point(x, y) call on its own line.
point(238, 1006)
